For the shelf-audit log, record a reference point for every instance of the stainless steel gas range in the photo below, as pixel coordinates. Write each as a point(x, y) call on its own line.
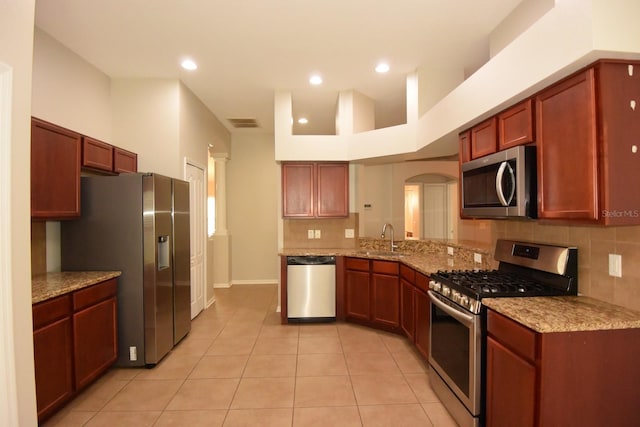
point(457, 333)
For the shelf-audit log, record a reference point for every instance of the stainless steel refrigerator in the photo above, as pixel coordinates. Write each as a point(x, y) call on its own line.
point(138, 224)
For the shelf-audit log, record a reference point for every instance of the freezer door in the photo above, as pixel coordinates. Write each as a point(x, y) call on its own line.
point(181, 261)
point(158, 268)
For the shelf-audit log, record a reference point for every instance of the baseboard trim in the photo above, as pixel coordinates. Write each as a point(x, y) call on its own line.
point(222, 285)
point(255, 282)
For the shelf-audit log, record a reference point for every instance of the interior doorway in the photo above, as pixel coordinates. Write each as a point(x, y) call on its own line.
point(194, 174)
point(431, 207)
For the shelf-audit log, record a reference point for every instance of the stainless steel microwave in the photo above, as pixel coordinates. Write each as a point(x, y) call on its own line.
point(500, 185)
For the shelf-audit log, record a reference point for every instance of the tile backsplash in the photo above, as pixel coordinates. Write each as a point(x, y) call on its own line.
point(332, 232)
point(594, 246)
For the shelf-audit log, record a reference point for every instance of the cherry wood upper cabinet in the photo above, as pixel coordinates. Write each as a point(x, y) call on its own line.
point(484, 138)
point(587, 136)
point(465, 146)
point(124, 161)
point(515, 125)
point(97, 154)
point(315, 189)
point(55, 171)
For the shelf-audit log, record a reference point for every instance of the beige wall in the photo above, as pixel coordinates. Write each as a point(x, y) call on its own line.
point(253, 187)
point(382, 186)
point(145, 120)
point(68, 91)
point(16, 53)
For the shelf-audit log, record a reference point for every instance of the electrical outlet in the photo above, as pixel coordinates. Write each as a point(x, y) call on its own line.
point(349, 233)
point(449, 250)
point(317, 234)
point(310, 234)
point(615, 265)
point(477, 257)
point(133, 353)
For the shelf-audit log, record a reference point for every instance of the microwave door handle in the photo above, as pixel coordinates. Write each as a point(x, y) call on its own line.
point(503, 200)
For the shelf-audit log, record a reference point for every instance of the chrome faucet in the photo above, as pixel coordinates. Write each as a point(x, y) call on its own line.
point(384, 229)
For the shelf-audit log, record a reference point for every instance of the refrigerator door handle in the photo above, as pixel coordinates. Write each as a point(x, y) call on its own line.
point(164, 259)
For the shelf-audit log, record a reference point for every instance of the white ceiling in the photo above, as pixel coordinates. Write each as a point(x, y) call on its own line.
point(247, 49)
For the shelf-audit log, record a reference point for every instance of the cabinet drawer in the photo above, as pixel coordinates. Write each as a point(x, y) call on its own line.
point(422, 282)
point(94, 294)
point(408, 274)
point(51, 310)
point(385, 267)
point(357, 264)
point(512, 335)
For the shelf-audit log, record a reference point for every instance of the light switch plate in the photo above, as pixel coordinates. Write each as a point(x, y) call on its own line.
point(317, 234)
point(449, 250)
point(310, 234)
point(349, 233)
point(615, 265)
point(477, 257)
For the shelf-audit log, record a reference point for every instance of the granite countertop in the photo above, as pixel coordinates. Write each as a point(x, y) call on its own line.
point(50, 285)
point(426, 263)
point(565, 314)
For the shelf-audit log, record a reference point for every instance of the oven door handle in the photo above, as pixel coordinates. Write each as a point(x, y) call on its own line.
point(465, 319)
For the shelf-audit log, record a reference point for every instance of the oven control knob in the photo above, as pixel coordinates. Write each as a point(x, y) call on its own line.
point(445, 290)
point(464, 301)
point(455, 296)
point(435, 285)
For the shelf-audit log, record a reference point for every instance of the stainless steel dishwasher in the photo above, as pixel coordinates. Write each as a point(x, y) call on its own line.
point(311, 288)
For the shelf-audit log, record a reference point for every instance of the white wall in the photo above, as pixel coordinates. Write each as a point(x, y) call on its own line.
point(252, 209)
point(16, 53)
point(68, 91)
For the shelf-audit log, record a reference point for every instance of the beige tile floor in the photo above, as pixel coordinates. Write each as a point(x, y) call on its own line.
point(240, 367)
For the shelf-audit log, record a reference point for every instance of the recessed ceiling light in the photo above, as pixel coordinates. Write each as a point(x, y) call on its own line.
point(188, 64)
point(303, 121)
point(315, 79)
point(382, 67)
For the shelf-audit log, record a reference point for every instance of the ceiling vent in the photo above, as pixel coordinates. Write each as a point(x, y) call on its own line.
point(240, 123)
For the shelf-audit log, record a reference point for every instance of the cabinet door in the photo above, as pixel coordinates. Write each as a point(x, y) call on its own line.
point(484, 138)
point(124, 161)
point(423, 319)
point(515, 125)
point(55, 171)
point(385, 310)
point(407, 314)
point(332, 189)
point(357, 295)
point(298, 190)
point(567, 149)
point(97, 154)
point(511, 383)
point(95, 341)
point(465, 146)
point(53, 361)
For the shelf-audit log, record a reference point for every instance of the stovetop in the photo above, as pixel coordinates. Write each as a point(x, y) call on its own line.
point(525, 270)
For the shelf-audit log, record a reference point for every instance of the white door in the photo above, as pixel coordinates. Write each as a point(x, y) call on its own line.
point(435, 211)
point(195, 176)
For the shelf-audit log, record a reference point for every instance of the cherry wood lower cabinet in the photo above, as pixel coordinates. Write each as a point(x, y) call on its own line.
point(357, 290)
point(372, 293)
point(423, 320)
point(407, 311)
point(586, 378)
point(75, 341)
point(53, 354)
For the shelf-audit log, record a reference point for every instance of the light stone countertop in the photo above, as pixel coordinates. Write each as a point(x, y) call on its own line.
point(564, 314)
point(50, 285)
point(424, 263)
